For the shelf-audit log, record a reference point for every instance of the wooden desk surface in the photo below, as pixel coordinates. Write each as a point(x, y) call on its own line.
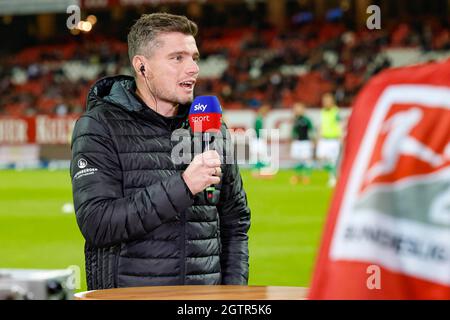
point(197, 293)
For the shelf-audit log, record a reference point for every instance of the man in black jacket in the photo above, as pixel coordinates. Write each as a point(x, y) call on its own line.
point(145, 219)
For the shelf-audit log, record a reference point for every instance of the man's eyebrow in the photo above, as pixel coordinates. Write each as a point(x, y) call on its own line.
point(196, 54)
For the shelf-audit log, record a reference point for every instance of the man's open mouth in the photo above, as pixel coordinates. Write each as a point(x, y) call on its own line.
point(187, 84)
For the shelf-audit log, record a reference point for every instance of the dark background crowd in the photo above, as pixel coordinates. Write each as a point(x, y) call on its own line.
point(245, 60)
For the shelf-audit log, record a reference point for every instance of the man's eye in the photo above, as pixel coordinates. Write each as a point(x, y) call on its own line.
point(179, 58)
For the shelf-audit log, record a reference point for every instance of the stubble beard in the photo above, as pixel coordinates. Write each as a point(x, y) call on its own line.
point(175, 98)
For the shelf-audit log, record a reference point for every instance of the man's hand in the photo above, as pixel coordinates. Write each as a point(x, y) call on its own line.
point(203, 171)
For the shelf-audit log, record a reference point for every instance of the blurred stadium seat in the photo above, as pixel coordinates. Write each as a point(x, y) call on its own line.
point(239, 63)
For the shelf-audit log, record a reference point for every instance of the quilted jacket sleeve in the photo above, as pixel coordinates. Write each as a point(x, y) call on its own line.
point(104, 214)
point(234, 224)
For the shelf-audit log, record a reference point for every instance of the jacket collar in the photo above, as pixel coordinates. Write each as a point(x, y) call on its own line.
point(120, 91)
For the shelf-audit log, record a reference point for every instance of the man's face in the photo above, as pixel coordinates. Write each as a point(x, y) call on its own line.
point(299, 109)
point(173, 68)
point(327, 101)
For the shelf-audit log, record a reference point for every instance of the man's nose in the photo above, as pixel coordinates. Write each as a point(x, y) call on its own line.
point(192, 68)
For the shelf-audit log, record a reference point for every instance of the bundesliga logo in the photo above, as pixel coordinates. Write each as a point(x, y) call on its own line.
point(408, 142)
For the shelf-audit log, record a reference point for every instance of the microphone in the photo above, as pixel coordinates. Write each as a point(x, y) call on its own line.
point(205, 116)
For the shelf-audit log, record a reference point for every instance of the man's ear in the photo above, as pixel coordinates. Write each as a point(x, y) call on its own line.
point(139, 65)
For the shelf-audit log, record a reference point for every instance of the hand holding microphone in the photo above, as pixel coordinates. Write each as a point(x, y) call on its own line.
point(205, 117)
point(203, 171)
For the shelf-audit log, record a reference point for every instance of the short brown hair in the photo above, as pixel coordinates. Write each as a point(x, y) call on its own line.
point(149, 26)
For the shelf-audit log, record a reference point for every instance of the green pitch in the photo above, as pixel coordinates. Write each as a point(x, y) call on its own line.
point(285, 234)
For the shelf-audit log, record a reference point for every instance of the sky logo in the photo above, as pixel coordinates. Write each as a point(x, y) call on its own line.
point(200, 107)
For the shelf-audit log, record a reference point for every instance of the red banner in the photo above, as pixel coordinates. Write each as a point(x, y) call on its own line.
point(41, 129)
point(388, 230)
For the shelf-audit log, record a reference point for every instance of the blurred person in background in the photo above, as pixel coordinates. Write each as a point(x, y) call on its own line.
point(330, 134)
point(302, 146)
point(146, 220)
point(258, 148)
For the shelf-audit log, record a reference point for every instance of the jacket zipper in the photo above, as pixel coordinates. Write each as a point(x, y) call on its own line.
point(183, 233)
point(116, 265)
point(183, 247)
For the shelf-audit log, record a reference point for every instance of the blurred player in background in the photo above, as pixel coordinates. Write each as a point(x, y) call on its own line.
point(302, 145)
point(330, 134)
point(259, 149)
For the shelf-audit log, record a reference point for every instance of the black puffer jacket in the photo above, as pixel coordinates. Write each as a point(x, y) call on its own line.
point(141, 224)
